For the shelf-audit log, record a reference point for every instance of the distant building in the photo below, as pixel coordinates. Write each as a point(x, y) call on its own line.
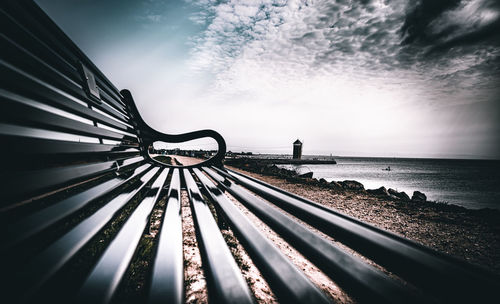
point(297, 149)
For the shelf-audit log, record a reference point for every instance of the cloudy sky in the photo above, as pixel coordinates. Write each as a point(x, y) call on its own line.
point(400, 78)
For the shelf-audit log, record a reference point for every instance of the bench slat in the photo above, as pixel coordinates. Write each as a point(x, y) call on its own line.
point(16, 80)
point(42, 26)
point(25, 63)
point(224, 277)
point(288, 283)
point(112, 100)
point(34, 223)
point(234, 174)
point(28, 62)
point(167, 279)
point(21, 35)
point(103, 282)
point(13, 111)
point(439, 276)
point(348, 271)
point(17, 145)
point(37, 181)
point(43, 266)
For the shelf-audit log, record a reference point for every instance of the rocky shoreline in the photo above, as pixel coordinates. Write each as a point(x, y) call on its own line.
point(270, 169)
point(469, 234)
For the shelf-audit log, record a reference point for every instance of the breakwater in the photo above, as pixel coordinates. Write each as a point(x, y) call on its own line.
point(279, 161)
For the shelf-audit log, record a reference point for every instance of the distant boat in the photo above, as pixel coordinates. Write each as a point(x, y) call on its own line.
point(387, 169)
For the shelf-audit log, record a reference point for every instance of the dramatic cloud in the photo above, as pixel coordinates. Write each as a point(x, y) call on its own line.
point(365, 37)
point(395, 60)
point(452, 22)
point(349, 77)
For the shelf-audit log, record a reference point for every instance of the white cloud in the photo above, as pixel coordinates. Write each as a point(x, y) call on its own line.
point(329, 73)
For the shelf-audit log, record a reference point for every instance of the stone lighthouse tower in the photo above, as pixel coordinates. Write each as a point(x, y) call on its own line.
point(297, 149)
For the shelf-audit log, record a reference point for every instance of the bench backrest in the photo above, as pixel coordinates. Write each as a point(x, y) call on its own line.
point(61, 120)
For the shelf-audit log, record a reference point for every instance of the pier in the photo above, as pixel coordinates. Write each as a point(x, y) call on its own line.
point(284, 161)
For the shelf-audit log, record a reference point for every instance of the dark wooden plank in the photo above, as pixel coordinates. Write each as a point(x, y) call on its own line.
point(366, 282)
point(288, 283)
point(111, 91)
point(19, 147)
point(104, 279)
point(13, 110)
point(17, 82)
point(112, 101)
point(167, 280)
point(23, 184)
point(31, 276)
point(20, 57)
point(29, 15)
point(34, 223)
point(424, 268)
point(25, 60)
point(224, 278)
point(17, 32)
point(29, 64)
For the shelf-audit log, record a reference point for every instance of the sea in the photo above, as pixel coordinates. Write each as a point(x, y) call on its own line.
point(473, 184)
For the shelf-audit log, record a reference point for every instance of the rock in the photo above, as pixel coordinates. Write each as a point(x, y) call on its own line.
point(401, 195)
point(323, 181)
point(310, 181)
point(335, 185)
point(352, 185)
point(306, 175)
point(275, 170)
point(418, 197)
point(286, 172)
point(382, 191)
point(272, 169)
point(393, 192)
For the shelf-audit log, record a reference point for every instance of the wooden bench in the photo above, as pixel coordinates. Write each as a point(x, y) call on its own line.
point(78, 188)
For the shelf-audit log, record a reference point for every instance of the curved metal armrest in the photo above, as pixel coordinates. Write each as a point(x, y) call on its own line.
point(148, 135)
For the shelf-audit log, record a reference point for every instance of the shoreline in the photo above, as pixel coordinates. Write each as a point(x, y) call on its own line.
point(472, 235)
point(271, 169)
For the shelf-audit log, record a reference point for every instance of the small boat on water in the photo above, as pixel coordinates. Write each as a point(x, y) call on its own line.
point(387, 169)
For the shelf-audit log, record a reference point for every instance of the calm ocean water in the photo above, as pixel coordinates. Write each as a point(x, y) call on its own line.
point(472, 184)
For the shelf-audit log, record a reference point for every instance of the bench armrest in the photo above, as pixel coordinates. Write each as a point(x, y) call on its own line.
point(148, 135)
